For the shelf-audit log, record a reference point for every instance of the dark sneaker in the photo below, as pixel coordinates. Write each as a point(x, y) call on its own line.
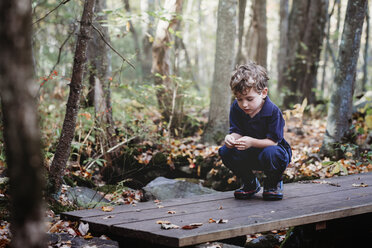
point(272, 193)
point(247, 190)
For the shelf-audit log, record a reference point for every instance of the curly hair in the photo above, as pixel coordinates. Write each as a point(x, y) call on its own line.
point(248, 76)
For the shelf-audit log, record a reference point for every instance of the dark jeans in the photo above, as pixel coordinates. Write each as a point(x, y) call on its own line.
point(272, 160)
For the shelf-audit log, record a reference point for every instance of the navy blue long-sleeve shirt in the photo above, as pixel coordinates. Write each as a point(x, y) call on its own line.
point(268, 123)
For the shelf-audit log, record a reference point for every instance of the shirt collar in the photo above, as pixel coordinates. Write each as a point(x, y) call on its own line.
point(267, 108)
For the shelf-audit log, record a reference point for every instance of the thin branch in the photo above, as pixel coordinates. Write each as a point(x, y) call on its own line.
point(113, 49)
point(42, 18)
point(58, 60)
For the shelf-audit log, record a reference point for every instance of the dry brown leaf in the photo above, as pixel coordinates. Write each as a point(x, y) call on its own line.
point(162, 222)
point(221, 221)
point(107, 208)
point(360, 185)
point(189, 227)
point(171, 212)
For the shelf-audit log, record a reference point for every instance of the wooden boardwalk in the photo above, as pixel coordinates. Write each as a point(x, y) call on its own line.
point(303, 203)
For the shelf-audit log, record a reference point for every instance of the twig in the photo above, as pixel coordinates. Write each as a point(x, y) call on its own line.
point(58, 60)
point(42, 18)
point(113, 49)
point(108, 151)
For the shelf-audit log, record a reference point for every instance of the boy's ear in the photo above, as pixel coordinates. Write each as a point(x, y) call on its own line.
point(264, 92)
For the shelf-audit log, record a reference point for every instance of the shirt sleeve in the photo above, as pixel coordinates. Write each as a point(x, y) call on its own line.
point(276, 127)
point(235, 126)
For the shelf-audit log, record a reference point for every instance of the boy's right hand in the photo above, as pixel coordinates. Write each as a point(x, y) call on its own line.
point(229, 141)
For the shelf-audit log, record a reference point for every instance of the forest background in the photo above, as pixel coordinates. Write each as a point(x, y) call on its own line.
point(147, 92)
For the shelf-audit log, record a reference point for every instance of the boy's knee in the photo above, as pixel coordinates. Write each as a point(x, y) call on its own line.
point(224, 151)
point(274, 155)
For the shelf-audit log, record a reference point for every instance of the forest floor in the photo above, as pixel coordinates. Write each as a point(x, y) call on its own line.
point(305, 137)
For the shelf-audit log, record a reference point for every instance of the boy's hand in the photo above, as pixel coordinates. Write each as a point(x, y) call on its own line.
point(229, 141)
point(244, 143)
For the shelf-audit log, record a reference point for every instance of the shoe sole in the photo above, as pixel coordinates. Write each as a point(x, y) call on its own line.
point(245, 195)
point(271, 197)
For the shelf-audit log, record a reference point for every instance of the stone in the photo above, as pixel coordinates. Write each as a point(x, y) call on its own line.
point(86, 197)
point(163, 188)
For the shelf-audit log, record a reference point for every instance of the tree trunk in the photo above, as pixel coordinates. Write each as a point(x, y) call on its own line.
point(100, 72)
point(239, 57)
point(304, 49)
point(160, 58)
point(21, 129)
point(256, 38)
point(136, 42)
point(218, 120)
point(366, 58)
point(147, 6)
point(68, 129)
point(283, 41)
point(340, 107)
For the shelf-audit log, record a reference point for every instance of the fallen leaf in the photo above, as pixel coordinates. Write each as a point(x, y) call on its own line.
point(189, 227)
point(83, 228)
point(108, 217)
point(221, 221)
point(360, 185)
point(196, 224)
point(169, 226)
point(211, 220)
point(163, 222)
point(107, 208)
point(88, 236)
point(171, 212)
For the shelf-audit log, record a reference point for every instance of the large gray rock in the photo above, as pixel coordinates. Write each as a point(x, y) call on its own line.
point(362, 102)
point(163, 188)
point(86, 197)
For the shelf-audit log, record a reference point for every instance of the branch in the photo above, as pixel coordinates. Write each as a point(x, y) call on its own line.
point(58, 60)
point(42, 18)
point(113, 49)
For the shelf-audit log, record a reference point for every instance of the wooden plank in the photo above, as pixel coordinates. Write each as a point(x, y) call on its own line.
point(291, 190)
point(303, 203)
point(271, 215)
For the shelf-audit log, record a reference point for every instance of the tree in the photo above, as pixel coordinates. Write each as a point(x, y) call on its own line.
point(147, 6)
point(218, 119)
point(68, 129)
point(166, 92)
point(340, 106)
point(256, 36)
point(242, 6)
point(305, 37)
point(99, 78)
point(21, 130)
point(283, 41)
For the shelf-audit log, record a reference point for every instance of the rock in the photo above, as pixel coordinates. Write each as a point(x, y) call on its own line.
point(86, 197)
point(362, 102)
point(163, 188)
point(58, 239)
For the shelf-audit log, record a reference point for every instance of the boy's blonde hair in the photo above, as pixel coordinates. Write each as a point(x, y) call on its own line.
point(248, 76)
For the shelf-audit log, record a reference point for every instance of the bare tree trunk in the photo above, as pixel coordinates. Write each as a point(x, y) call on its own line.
point(366, 57)
point(68, 129)
point(242, 6)
point(160, 58)
point(21, 129)
point(218, 120)
point(100, 72)
point(340, 107)
point(283, 41)
point(146, 6)
point(201, 80)
point(135, 39)
point(304, 49)
point(256, 37)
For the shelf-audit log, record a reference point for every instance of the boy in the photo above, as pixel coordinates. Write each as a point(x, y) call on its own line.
point(255, 140)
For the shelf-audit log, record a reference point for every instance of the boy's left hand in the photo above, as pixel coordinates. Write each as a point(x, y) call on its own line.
point(244, 143)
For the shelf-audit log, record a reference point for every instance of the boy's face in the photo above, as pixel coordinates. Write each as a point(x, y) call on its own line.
point(251, 101)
